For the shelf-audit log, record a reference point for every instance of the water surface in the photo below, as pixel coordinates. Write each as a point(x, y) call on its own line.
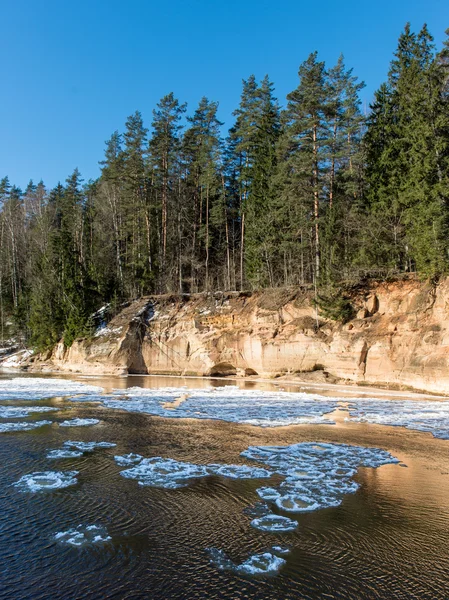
point(388, 540)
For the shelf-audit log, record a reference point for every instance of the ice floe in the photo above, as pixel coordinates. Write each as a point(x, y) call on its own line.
point(88, 446)
point(38, 388)
point(64, 453)
point(164, 472)
point(127, 460)
point(83, 535)
point(21, 412)
point(46, 480)
point(22, 426)
point(317, 475)
point(230, 403)
point(172, 474)
point(274, 523)
point(265, 563)
point(79, 422)
point(428, 416)
point(239, 471)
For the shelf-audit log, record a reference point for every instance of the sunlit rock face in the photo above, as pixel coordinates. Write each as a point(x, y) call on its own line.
point(399, 335)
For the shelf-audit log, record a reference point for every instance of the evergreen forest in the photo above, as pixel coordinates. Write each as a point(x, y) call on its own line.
point(314, 191)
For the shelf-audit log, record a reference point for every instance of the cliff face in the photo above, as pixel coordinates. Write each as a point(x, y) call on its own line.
point(400, 337)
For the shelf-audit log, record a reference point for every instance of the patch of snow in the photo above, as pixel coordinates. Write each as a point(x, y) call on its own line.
point(16, 359)
point(22, 426)
point(83, 535)
point(46, 480)
point(79, 422)
point(108, 331)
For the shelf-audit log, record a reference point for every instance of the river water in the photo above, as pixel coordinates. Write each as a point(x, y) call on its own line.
point(388, 540)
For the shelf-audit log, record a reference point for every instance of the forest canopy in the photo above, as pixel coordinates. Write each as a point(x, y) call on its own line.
point(311, 192)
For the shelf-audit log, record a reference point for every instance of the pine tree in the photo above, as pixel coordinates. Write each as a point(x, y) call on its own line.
point(164, 147)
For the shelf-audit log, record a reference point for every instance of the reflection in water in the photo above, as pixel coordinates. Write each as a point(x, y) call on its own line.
point(388, 540)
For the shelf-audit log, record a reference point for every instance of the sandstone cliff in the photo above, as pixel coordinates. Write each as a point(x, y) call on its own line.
point(400, 337)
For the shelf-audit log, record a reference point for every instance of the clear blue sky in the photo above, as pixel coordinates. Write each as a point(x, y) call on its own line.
point(73, 71)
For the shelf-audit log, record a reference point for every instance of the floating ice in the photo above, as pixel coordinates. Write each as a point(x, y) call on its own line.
point(64, 453)
point(46, 480)
point(79, 422)
point(274, 523)
point(22, 426)
point(88, 446)
point(171, 474)
point(429, 416)
point(83, 535)
point(239, 471)
point(317, 475)
point(280, 550)
point(127, 460)
point(230, 403)
point(19, 412)
point(164, 472)
point(37, 388)
point(264, 563)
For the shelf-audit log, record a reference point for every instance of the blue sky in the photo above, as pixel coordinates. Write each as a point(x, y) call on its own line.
point(73, 71)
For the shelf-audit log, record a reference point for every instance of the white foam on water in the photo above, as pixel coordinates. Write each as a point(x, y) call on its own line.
point(79, 422)
point(83, 535)
point(46, 480)
point(22, 426)
point(88, 446)
point(21, 412)
point(274, 523)
point(64, 453)
point(265, 563)
point(317, 475)
point(230, 403)
point(427, 415)
point(127, 460)
point(38, 388)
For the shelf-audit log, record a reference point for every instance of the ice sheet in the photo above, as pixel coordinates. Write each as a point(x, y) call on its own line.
point(22, 426)
point(429, 416)
point(317, 475)
point(230, 403)
point(38, 388)
point(21, 412)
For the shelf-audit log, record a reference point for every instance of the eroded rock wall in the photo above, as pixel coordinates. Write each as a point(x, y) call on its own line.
point(400, 337)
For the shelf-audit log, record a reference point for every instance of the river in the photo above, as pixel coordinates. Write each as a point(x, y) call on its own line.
point(388, 540)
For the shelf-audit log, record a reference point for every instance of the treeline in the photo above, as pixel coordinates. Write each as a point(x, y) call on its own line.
point(316, 192)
